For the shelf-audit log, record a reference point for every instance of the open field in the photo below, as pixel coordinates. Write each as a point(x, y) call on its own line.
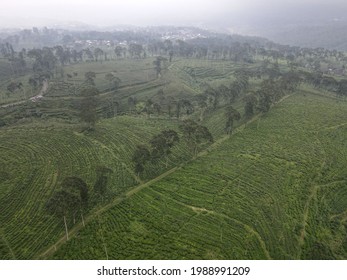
point(275, 189)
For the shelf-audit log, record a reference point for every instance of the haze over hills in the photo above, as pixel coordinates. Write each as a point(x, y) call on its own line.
point(170, 130)
point(326, 33)
point(330, 36)
point(307, 23)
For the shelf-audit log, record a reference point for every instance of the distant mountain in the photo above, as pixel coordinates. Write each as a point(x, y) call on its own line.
point(67, 33)
point(330, 36)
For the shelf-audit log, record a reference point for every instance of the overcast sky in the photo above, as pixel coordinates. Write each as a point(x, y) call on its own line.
point(16, 13)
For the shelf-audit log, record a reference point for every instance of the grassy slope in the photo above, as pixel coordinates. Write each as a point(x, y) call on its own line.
point(35, 159)
point(270, 191)
point(38, 154)
point(25, 187)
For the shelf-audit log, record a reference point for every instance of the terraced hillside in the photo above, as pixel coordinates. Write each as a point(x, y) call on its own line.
point(35, 159)
point(276, 189)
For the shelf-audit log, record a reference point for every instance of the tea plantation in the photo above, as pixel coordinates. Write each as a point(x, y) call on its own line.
point(275, 189)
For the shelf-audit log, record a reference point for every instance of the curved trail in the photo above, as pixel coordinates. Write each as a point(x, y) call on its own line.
point(246, 227)
point(33, 99)
point(50, 251)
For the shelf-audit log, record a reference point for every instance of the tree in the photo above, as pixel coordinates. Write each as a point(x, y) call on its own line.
point(162, 143)
point(135, 50)
point(110, 77)
point(13, 86)
point(170, 102)
point(77, 184)
point(157, 108)
point(88, 106)
point(195, 135)
point(342, 88)
point(89, 54)
point(187, 106)
point(33, 82)
point(140, 157)
point(224, 91)
point(171, 53)
point(116, 83)
point(90, 76)
point(77, 187)
point(213, 96)
point(231, 114)
point(114, 106)
point(157, 65)
point(149, 107)
point(118, 51)
point(131, 103)
point(250, 103)
point(60, 205)
point(266, 94)
point(100, 186)
point(98, 53)
point(264, 103)
point(329, 84)
point(72, 196)
point(202, 103)
point(290, 81)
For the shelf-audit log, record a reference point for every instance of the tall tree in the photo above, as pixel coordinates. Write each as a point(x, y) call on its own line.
point(158, 65)
point(187, 106)
point(60, 205)
point(77, 187)
point(113, 80)
point(135, 50)
point(88, 106)
point(195, 135)
point(118, 51)
point(140, 157)
point(98, 53)
point(131, 103)
point(90, 76)
point(250, 103)
point(149, 107)
point(100, 186)
point(231, 115)
point(72, 197)
point(162, 143)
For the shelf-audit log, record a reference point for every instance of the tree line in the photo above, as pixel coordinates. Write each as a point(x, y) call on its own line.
point(159, 147)
point(73, 199)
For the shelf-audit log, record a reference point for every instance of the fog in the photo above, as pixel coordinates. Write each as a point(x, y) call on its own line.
point(236, 15)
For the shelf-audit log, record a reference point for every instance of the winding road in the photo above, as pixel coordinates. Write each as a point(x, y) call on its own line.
point(33, 99)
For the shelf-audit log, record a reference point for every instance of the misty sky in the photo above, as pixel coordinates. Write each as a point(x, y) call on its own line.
point(26, 13)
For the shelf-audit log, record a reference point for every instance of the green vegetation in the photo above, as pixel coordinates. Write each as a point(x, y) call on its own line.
point(35, 160)
point(257, 195)
point(207, 148)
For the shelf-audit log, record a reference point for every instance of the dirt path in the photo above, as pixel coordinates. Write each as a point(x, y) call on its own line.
point(312, 195)
point(49, 251)
point(247, 227)
point(305, 216)
point(33, 99)
point(41, 93)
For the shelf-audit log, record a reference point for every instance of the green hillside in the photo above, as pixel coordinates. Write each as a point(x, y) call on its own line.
point(35, 160)
point(208, 149)
point(275, 189)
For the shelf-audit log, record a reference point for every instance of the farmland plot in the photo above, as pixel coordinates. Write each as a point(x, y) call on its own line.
point(274, 190)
